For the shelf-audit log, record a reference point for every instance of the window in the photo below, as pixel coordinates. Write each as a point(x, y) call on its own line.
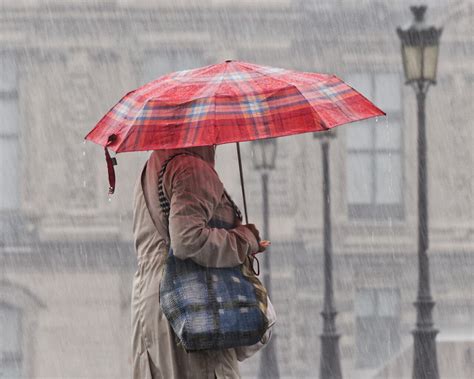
point(10, 342)
point(377, 334)
point(374, 152)
point(9, 191)
point(19, 315)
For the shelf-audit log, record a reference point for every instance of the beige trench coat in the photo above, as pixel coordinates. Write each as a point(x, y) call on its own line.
point(196, 197)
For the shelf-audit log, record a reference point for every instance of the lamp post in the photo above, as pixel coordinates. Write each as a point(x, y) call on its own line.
point(264, 154)
point(330, 364)
point(420, 45)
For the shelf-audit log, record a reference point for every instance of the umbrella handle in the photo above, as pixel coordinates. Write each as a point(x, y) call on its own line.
point(242, 183)
point(111, 162)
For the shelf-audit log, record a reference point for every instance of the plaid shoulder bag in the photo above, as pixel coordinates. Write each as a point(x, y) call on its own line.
point(211, 308)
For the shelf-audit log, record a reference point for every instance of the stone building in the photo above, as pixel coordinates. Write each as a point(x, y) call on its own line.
point(66, 257)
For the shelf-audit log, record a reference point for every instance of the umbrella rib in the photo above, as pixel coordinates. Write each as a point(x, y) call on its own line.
point(312, 107)
point(127, 134)
point(309, 82)
point(321, 122)
point(359, 94)
point(343, 111)
point(267, 75)
point(270, 75)
point(171, 78)
point(129, 131)
point(215, 95)
point(297, 88)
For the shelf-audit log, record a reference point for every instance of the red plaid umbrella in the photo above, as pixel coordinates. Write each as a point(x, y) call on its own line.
point(227, 102)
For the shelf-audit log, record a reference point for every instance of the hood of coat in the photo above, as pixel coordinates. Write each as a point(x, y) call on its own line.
point(207, 153)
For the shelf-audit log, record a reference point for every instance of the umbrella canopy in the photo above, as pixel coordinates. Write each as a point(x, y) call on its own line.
point(228, 102)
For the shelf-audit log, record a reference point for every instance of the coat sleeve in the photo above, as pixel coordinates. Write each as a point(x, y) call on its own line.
point(194, 192)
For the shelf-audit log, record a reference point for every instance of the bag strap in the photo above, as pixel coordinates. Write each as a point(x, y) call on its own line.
point(237, 211)
point(164, 203)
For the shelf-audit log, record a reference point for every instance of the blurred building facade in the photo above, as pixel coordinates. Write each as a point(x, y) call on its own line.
point(66, 254)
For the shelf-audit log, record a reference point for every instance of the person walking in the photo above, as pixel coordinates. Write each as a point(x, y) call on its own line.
point(204, 225)
point(232, 101)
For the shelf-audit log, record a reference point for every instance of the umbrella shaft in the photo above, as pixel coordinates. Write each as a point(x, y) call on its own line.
point(242, 184)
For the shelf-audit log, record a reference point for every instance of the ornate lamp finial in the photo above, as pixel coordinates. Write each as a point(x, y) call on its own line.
point(419, 12)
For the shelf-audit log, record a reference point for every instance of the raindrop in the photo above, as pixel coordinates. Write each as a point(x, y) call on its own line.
point(84, 183)
point(110, 199)
point(83, 153)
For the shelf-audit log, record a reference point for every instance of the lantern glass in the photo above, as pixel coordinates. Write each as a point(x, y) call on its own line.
point(430, 59)
point(412, 62)
point(264, 154)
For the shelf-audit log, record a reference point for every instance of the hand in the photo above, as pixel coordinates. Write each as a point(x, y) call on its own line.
point(263, 244)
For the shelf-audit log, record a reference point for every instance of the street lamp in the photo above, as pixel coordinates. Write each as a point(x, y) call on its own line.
point(330, 364)
point(264, 156)
point(420, 46)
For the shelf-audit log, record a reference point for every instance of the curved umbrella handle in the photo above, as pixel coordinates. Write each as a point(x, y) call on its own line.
point(111, 162)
